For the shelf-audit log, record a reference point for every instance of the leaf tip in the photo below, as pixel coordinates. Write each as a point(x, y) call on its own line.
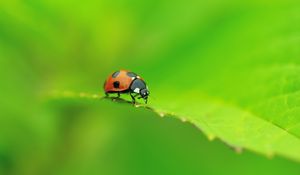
point(161, 114)
point(183, 119)
point(270, 155)
point(238, 150)
point(211, 137)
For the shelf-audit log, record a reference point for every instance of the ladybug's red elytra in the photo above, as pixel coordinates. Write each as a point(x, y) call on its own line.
point(123, 81)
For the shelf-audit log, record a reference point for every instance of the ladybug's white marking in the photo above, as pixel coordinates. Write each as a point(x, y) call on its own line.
point(138, 77)
point(132, 78)
point(137, 90)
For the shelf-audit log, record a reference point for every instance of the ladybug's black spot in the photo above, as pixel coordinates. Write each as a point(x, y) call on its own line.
point(114, 75)
point(131, 74)
point(116, 84)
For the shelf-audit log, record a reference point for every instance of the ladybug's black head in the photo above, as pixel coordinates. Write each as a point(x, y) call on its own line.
point(144, 93)
point(139, 86)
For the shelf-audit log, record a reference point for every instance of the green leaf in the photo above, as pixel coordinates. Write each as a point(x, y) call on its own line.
point(241, 83)
point(238, 127)
point(112, 138)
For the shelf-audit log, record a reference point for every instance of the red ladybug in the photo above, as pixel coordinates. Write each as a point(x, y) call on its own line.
point(123, 81)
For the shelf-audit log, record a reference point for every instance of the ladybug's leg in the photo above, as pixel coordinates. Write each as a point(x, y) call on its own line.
point(106, 94)
point(119, 95)
point(133, 99)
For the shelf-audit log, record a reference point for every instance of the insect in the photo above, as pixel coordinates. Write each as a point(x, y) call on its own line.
point(123, 81)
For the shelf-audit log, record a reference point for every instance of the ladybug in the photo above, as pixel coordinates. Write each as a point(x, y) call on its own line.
point(123, 81)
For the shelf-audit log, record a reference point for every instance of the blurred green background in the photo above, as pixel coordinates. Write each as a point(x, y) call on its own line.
point(71, 46)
